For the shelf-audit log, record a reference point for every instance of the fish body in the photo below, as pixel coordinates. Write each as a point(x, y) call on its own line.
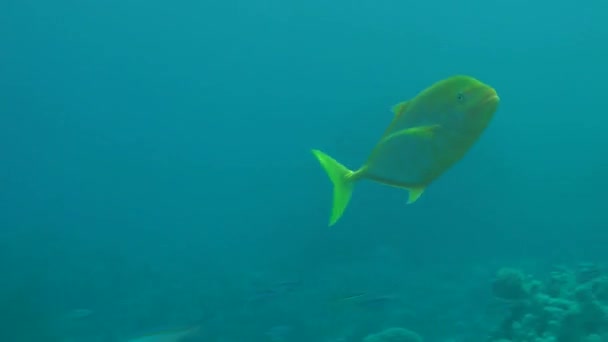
point(428, 135)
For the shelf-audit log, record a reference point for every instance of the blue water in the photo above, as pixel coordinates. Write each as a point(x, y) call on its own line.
point(156, 167)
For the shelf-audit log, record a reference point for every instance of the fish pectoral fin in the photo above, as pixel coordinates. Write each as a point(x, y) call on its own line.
point(422, 131)
point(418, 131)
point(415, 193)
point(400, 107)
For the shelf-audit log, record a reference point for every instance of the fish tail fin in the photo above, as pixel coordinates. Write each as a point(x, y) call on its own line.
point(343, 182)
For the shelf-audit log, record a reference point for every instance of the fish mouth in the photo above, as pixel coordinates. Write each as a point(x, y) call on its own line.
point(487, 104)
point(492, 98)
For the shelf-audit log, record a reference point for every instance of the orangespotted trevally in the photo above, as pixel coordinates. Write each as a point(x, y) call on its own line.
point(429, 133)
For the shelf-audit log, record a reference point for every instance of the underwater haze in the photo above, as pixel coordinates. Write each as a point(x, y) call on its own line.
point(157, 172)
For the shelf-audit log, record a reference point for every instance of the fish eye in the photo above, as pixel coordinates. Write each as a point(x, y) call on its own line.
point(460, 97)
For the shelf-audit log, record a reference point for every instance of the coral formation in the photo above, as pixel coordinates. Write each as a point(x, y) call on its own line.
point(510, 284)
point(394, 335)
point(570, 306)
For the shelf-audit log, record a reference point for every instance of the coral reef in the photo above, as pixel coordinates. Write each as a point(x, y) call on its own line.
point(394, 335)
point(569, 306)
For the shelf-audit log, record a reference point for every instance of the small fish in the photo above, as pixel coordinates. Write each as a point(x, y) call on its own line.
point(288, 285)
point(354, 296)
point(428, 134)
point(279, 333)
point(78, 314)
point(263, 295)
point(279, 289)
point(382, 302)
point(176, 335)
point(367, 300)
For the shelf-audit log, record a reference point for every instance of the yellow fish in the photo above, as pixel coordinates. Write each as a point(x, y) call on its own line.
point(428, 134)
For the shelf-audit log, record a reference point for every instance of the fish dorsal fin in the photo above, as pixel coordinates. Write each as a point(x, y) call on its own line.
point(400, 107)
point(397, 110)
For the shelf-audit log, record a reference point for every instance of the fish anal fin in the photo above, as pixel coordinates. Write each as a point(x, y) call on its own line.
point(415, 193)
